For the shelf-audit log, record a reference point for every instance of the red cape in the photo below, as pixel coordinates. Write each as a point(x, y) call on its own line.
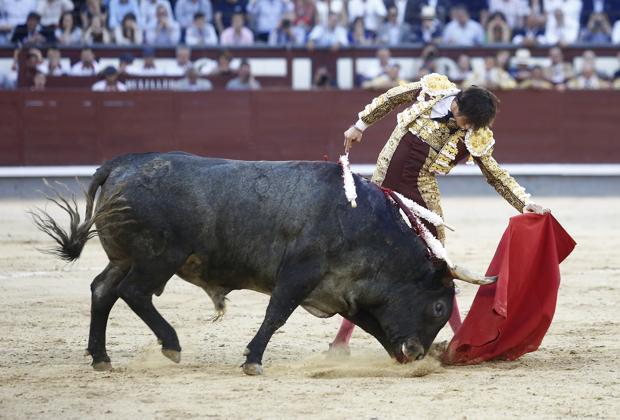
point(510, 318)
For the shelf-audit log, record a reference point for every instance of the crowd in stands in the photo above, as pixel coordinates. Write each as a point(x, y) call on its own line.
point(183, 24)
point(325, 23)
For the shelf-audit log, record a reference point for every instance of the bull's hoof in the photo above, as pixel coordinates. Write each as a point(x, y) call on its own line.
point(252, 369)
point(338, 350)
point(102, 366)
point(173, 355)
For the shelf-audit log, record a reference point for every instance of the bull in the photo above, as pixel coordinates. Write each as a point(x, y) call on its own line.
point(280, 228)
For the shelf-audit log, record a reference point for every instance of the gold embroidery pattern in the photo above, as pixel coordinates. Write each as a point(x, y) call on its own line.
point(383, 161)
point(383, 104)
point(479, 142)
point(446, 157)
point(429, 190)
point(503, 183)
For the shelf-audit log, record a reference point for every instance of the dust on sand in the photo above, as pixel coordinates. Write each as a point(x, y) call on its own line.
point(44, 318)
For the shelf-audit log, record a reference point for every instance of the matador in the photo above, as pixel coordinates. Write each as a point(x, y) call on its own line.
point(441, 127)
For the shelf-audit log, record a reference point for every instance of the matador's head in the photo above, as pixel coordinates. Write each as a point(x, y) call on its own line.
point(474, 107)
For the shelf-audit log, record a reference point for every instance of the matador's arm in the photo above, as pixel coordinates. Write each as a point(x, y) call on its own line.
point(383, 104)
point(503, 183)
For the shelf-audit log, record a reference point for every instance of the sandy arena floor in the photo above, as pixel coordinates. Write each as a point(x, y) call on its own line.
point(44, 316)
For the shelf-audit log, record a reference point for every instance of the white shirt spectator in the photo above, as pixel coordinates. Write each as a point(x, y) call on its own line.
point(74, 38)
point(513, 10)
point(267, 13)
point(615, 33)
point(102, 86)
point(323, 36)
point(164, 32)
point(119, 8)
point(185, 10)
point(570, 8)
point(201, 36)
point(63, 68)
point(50, 10)
point(561, 29)
point(373, 12)
point(469, 34)
point(323, 10)
point(80, 69)
point(148, 11)
point(14, 12)
point(121, 39)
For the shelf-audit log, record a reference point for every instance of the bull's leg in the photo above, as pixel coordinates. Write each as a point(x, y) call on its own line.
point(103, 298)
point(292, 287)
point(137, 291)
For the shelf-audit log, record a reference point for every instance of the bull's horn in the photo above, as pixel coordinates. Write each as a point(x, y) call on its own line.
point(461, 273)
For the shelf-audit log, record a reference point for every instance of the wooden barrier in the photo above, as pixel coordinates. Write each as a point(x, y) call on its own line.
point(80, 127)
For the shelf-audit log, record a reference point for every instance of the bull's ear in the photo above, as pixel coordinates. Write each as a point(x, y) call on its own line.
point(443, 275)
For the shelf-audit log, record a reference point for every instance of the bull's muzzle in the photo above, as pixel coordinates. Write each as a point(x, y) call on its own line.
point(412, 349)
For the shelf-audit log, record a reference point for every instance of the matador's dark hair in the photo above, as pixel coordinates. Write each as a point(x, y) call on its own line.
point(478, 105)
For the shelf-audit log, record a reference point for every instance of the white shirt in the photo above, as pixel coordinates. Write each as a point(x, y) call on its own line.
point(101, 86)
point(373, 12)
point(322, 36)
point(50, 11)
point(615, 33)
point(148, 11)
point(468, 35)
point(322, 10)
point(15, 12)
point(514, 10)
point(58, 71)
point(78, 69)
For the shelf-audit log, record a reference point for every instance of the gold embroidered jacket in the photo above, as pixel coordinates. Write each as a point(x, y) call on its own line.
point(443, 138)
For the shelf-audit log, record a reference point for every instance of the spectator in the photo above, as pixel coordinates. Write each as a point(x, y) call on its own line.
point(110, 82)
point(8, 80)
point(287, 34)
point(185, 10)
point(223, 67)
point(119, 8)
point(410, 11)
point(53, 64)
point(503, 59)
point(610, 7)
point(200, 32)
point(51, 10)
point(183, 61)
point(561, 30)
point(31, 32)
point(87, 66)
point(587, 79)
point(514, 11)
point(497, 29)
point(244, 80)
point(128, 32)
point(149, 65)
point(38, 82)
point(429, 62)
point(462, 30)
point(492, 77)
point(329, 35)
point(124, 64)
point(34, 60)
point(615, 34)
point(598, 30)
point(165, 31)
point(96, 32)
point(463, 69)
point(537, 80)
point(522, 64)
point(13, 13)
point(558, 72)
point(267, 15)
point(304, 15)
point(68, 33)
point(359, 36)
point(533, 33)
point(391, 32)
point(571, 10)
point(325, 7)
point(372, 11)
point(225, 10)
point(192, 82)
point(389, 79)
point(238, 34)
point(92, 8)
point(430, 29)
point(378, 66)
point(148, 11)
point(322, 80)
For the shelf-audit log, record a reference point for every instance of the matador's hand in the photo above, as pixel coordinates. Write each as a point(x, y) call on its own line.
point(352, 135)
point(535, 208)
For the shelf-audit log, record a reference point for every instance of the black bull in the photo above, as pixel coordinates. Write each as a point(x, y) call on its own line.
point(280, 228)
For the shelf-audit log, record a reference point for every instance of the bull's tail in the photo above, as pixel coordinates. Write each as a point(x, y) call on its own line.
point(71, 242)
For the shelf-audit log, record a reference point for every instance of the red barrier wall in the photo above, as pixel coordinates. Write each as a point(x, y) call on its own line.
point(78, 127)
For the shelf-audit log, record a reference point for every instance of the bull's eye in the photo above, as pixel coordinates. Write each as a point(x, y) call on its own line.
point(439, 309)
